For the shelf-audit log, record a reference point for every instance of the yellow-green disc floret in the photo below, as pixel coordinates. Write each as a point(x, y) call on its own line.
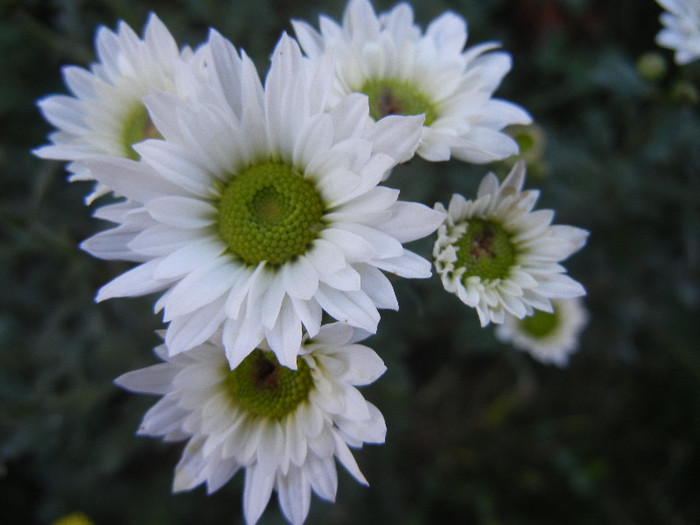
point(263, 387)
point(485, 250)
point(394, 97)
point(137, 127)
point(269, 212)
point(540, 324)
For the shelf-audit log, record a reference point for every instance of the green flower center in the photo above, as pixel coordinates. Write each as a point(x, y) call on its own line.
point(525, 140)
point(137, 127)
point(269, 212)
point(265, 388)
point(540, 324)
point(395, 97)
point(485, 250)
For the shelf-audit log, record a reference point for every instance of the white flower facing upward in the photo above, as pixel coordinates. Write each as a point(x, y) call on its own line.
point(681, 31)
point(550, 337)
point(406, 72)
point(283, 426)
point(261, 208)
point(501, 257)
point(105, 115)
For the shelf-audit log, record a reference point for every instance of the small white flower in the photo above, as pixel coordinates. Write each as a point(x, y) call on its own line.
point(550, 337)
point(405, 71)
point(501, 257)
point(681, 31)
point(105, 115)
point(261, 208)
point(283, 426)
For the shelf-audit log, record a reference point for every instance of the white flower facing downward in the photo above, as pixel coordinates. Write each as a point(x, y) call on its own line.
point(501, 257)
point(283, 426)
point(261, 208)
point(105, 115)
point(681, 30)
point(550, 337)
point(404, 71)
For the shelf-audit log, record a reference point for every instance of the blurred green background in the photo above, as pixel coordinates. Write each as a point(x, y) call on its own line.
point(477, 432)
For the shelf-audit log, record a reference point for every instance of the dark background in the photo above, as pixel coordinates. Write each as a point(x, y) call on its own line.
point(477, 432)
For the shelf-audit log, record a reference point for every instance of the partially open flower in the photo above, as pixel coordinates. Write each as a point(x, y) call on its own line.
point(501, 257)
point(550, 337)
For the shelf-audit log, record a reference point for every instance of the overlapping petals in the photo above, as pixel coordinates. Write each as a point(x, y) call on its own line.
point(293, 455)
point(459, 83)
point(172, 223)
point(681, 31)
point(557, 340)
point(535, 277)
point(93, 121)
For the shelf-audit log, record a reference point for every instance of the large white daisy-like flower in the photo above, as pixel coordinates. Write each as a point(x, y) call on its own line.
point(681, 31)
point(261, 208)
point(406, 72)
point(501, 257)
point(283, 426)
point(550, 337)
point(105, 115)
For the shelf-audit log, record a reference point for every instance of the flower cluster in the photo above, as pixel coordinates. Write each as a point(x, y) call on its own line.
point(257, 210)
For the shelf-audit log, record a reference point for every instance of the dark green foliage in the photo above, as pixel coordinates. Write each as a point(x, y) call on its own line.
point(478, 432)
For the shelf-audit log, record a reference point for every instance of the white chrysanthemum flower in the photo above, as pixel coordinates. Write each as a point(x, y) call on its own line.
point(261, 208)
point(283, 426)
point(404, 71)
point(550, 337)
point(105, 115)
point(681, 30)
point(501, 257)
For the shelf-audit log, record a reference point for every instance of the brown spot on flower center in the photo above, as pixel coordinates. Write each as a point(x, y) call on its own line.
point(388, 104)
point(266, 375)
point(482, 244)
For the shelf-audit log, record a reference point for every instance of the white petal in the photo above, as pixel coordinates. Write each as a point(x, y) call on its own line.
point(354, 246)
point(285, 338)
point(272, 300)
point(174, 165)
point(396, 136)
point(256, 494)
point(191, 330)
point(363, 365)
point(408, 265)
point(354, 308)
point(155, 379)
point(190, 470)
point(310, 314)
point(241, 338)
point(135, 282)
point(300, 277)
point(346, 279)
point(376, 285)
point(131, 179)
point(561, 287)
point(201, 287)
point(294, 495)
point(182, 212)
point(347, 460)
point(449, 32)
point(411, 221)
point(187, 258)
point(113, 244)
point(323, 476)
point(160, 240)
